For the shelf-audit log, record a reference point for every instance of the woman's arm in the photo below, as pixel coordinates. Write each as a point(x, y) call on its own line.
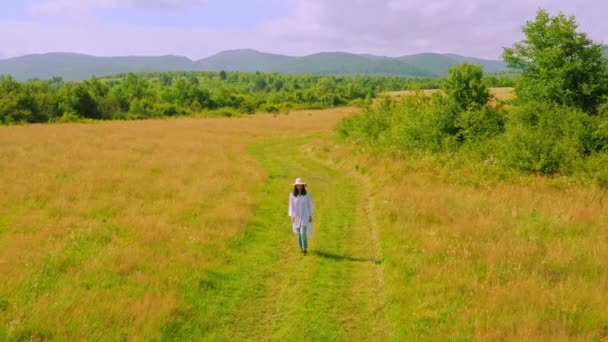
point(290, 209)
point(310, 207)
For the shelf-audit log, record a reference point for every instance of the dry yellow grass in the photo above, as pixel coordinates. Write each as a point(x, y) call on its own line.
point(500, 93)
point(523, 259)
point(100, 223)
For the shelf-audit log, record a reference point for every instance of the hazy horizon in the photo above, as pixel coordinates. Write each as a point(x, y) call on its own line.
point(200, 28)
point(241, 49)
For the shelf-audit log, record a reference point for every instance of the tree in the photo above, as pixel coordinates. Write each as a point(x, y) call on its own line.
point(326, 84)
point(97, 88)
point(15, 102)
point(75, 98)
point(165, 79)
point(184, 91)
point(260, 83)
point(463, 113)
point(135, 86)
point(558, 64)
point(44, 105)
point(466, 87)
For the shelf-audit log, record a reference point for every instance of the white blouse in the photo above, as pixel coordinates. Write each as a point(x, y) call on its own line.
point(300, 209)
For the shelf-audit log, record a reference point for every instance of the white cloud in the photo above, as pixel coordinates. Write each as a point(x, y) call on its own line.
point(396, 27)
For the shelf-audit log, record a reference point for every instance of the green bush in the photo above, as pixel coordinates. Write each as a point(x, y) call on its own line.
point(436, 123)
point(479, 123)
point(248, 107)
point(270, 108)
point(366, 127)
point(594, 168)
point(168, 109)
point(67, 117)
point(599, 127)
point(545, 138)
point(417, 125)
point(439, 123)
point(225, 113)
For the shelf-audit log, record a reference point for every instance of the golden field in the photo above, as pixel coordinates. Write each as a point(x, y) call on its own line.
point(100, 223)
point(472, 252)
point(127, 230)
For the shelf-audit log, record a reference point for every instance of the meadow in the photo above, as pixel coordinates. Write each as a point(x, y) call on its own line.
point(101, 224)
point(474, 252)
point(177, 229)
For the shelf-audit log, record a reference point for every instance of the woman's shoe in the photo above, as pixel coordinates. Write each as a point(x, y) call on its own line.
point(305, 252)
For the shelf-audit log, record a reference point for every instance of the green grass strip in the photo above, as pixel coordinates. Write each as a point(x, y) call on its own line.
point(265, 288)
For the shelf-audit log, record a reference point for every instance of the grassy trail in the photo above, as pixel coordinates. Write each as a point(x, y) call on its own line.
point(265, 289)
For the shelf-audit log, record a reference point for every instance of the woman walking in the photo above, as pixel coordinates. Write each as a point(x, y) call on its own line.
point(300, 211)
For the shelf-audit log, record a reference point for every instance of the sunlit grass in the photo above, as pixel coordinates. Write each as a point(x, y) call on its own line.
point(473, 251)
point(266, 289)
point(101, 223)
point(127, 230)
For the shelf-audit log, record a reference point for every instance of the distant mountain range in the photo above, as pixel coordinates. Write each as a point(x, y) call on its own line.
point(72, 66)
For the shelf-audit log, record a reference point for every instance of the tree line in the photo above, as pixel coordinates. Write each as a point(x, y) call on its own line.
point(165, 94)
point(151, 95)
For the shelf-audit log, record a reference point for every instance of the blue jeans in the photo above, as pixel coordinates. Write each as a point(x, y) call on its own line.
point(302, 238)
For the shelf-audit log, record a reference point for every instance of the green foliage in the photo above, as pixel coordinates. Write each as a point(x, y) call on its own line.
point(463, 113)
point(248, 106)
point(141, 96)
point(500, 79)
point(599, 130)
point(67, 117)
point(558, 124)
point(270, 108)
point(558, 64)
point(418, 125)
point(560, 119)
point(479, 123)
point(223, 75)
point(466, 87)
point(546, 138)
point(15, 102)
point(436, 123)
point(76, 98)
point(594, 168)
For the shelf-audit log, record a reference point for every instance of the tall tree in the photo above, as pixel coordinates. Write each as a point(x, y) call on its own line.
point(558, 64)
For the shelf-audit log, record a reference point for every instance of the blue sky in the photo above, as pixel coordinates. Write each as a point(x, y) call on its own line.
point(199, 28)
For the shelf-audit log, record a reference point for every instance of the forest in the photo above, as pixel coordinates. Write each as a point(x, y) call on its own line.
point(166, 94)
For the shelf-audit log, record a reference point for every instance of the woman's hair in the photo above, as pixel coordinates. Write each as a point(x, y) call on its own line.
point(295, 190)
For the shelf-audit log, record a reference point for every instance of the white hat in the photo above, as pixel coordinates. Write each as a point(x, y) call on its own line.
point(299, 181)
